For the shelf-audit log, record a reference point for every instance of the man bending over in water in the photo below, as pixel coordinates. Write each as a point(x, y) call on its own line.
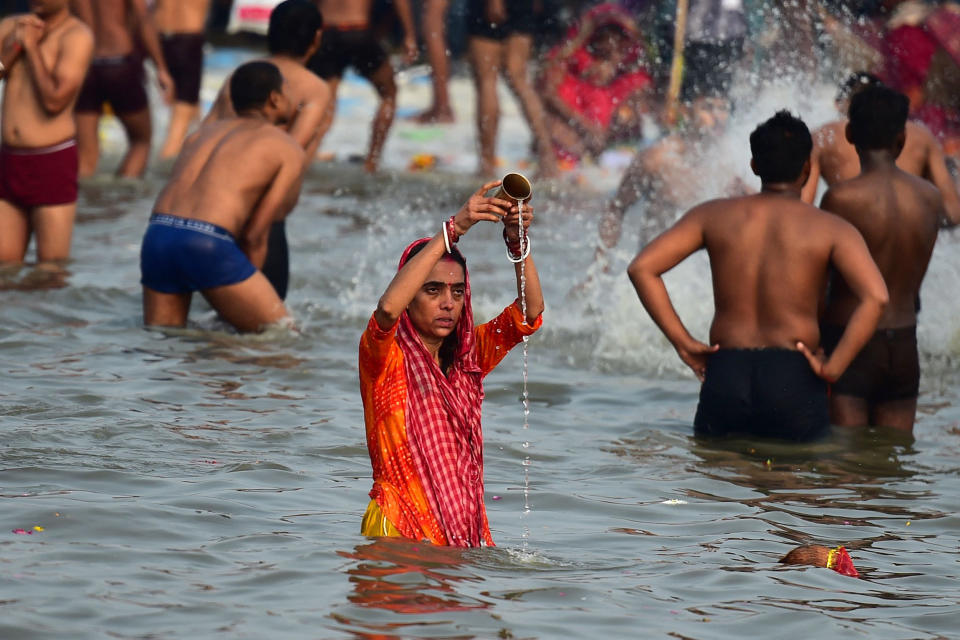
point(422, 364)
point(208, 231)
point(835, 159)
point(769, 255)
point(293, 36)
point(898, 215)
point(44, 56)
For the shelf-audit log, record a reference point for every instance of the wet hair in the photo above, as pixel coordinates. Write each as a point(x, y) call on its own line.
point(293, 26)
point(252, 83)
point(855, 83)
point(780, 147)
point(878, 115)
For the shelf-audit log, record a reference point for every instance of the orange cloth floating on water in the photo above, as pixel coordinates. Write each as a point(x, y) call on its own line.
point(840, 561)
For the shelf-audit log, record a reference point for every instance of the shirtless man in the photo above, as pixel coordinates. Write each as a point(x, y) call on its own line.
point(835, 159)
point(668, 174)
point(209, 227)
point(116, 76)
point(293, 36)
point(181, 24)
point(898, 215)
point(349, 42)
point(769, 255)
point(44, 56)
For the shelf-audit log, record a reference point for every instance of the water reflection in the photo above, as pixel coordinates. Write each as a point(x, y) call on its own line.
point(405, 577)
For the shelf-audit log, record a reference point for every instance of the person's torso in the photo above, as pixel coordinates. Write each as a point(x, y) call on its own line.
point(345, 13)
point(222, 174)
point(26, 123)
point(897, 215)
point(181, 16)
point(113, 28)
point(768, 256)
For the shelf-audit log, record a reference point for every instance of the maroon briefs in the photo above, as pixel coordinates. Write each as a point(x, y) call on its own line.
point(183, 53)
point(117, 80)
point(39, 177)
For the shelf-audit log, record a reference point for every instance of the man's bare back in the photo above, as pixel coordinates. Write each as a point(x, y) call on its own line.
point(835, 159)
point(181, 16)
point(111, 22)
point(214, 179)
point(898, 214)
point(347, 13)
point(29, 120)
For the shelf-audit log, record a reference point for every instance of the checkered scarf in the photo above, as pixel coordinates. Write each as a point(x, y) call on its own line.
point(443, 426)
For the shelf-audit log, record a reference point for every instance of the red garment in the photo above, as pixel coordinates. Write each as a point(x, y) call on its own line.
point(599, 102)
point(841, 562)
point(908, 52)
point(39, 177)
point(423, 428)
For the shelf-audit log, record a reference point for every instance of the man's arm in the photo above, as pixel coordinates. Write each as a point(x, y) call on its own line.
point(150, 39)
point(405, 14)
point(58, 86)
point(943, 180)
point(852, 260)
point(310, 124)
point(646, 273)
point(10, 47)
point(809, 192)
point(279, 199)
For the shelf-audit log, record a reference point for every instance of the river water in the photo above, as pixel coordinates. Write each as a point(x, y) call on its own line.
point(197, 483)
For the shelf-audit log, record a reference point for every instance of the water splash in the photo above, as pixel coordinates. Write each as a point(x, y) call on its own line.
point(525, 396)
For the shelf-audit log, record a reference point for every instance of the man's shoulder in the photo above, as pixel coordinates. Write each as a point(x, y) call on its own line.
point(828, 134)
point(77, 30)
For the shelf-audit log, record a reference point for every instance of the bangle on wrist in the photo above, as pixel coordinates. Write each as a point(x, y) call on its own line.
point(517, 251)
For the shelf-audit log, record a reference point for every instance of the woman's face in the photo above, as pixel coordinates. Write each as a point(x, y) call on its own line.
point(607, 41)
point(436, 309)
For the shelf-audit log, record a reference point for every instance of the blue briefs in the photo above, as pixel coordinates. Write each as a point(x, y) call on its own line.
point(182, 255)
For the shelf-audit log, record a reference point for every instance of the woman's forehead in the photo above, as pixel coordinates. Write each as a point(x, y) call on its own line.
point(446, 270)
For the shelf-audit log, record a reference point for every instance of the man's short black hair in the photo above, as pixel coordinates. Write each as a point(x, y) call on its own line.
point(780, 147)
point(877, 116)
point(293, 26)
point(855, 83)
point(252, 83)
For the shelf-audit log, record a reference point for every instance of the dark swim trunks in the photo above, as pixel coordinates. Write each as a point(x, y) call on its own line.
point(764, 392)
point(887, 368)
point(276, 266)
point(521, 19)
point(341, 48)
point(43, 176)
point(183, 53)
point(181, 255)
point(117, 80)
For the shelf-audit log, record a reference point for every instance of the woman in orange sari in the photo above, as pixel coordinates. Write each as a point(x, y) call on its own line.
point(422, 364)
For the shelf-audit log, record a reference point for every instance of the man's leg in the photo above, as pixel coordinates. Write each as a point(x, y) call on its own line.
point(899, 413)
point(485, 62)
point(849, 411)
point(88, 142)
point(165, 309)
point(250, 305)
point(138, 128)
point(14, 233)
point(383, 82)
point(54, 229)
point(518, 48)
point(435, 42)
point(181, 115)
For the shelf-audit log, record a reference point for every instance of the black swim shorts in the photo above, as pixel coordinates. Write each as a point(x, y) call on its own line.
point(887, 368)
point(764, 392)
point(342, 48)
point(183, 53)
point(118, 80)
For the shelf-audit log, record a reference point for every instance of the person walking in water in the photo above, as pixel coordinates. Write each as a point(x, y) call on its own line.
point(44, 56)
point(208, 231)
point(348, 41)
point(293, 35)
point(116, 76)
point(770, 254)
point(422, 364)
point(181, 24)
point(898, 215)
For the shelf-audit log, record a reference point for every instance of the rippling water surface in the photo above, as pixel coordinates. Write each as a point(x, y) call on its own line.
point(197, 483)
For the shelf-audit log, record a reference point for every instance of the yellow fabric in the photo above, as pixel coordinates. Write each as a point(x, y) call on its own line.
point(375, 525)
point(832, 557)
